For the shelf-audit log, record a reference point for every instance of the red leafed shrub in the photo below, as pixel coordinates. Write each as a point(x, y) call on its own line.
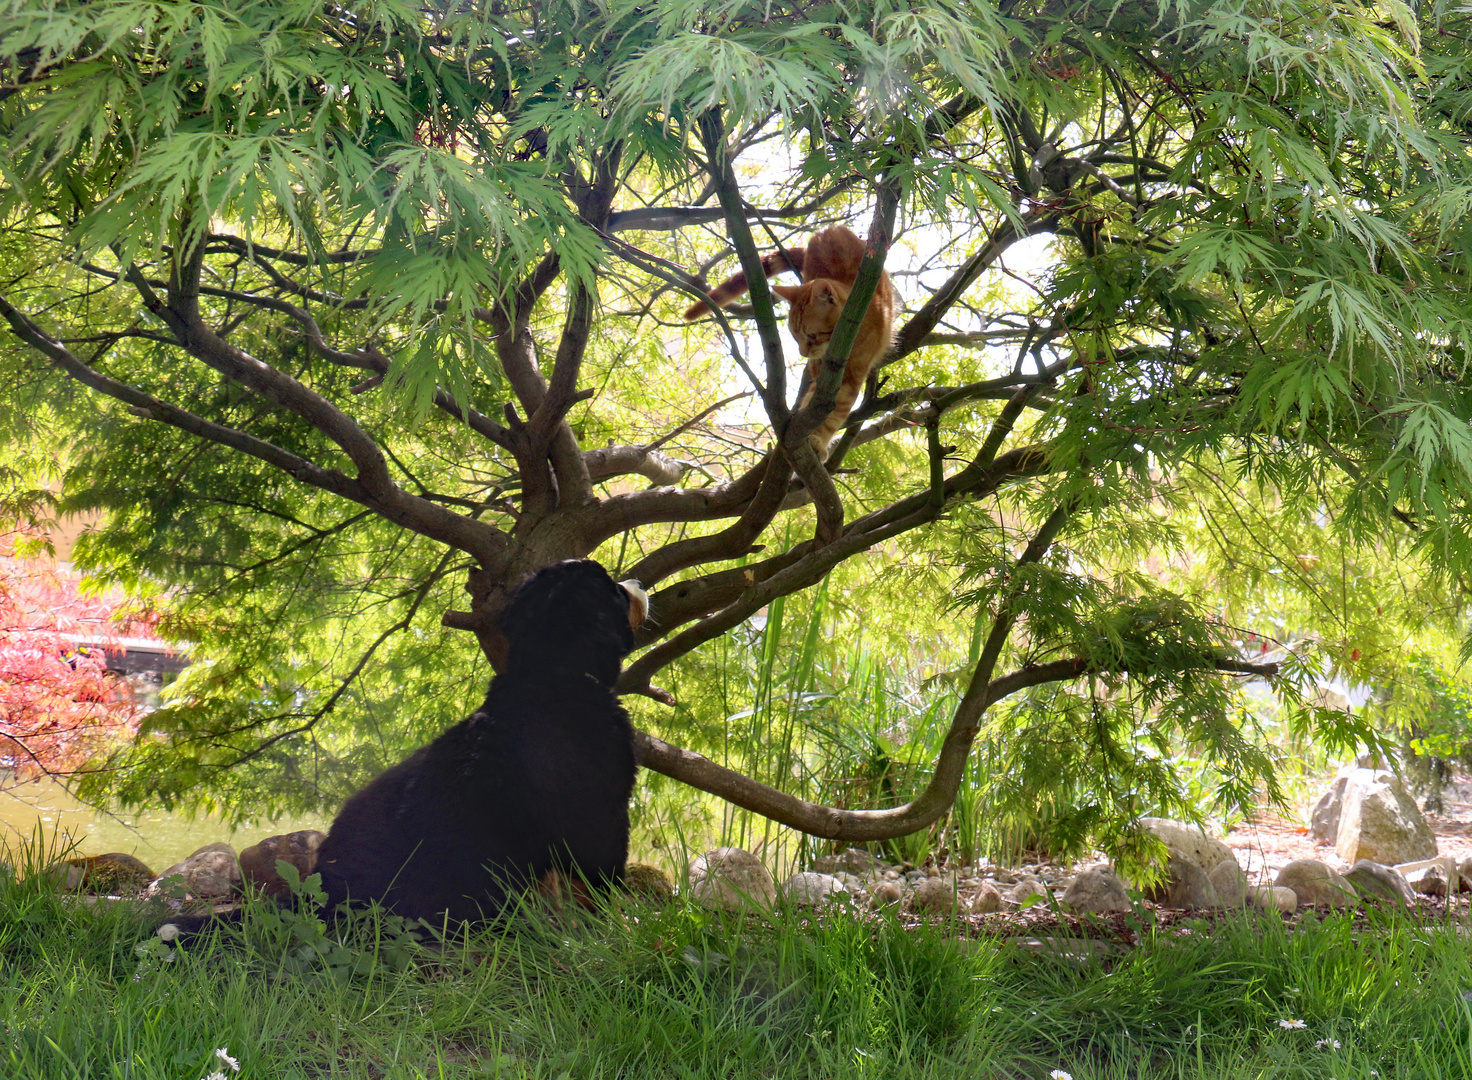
point(59, 705)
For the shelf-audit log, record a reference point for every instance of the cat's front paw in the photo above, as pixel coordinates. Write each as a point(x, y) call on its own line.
point(819, 442)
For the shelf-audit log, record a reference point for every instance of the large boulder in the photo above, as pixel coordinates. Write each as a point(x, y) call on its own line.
point(1027, 892)
point(1431, 877)
point(258, 862)
point(1230, 882)
point(1324, 821)
point(1316, 883)
point(1374, 880)
point(1274, 898)
point(1185, 885)
point(1193, 858)
point(1379, 821)
point(210, 873)
point(812, 888)
point(730, 878)
point(1189, 843)
point(1097, 890)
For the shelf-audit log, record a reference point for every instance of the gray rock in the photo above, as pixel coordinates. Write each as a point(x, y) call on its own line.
point(731, 879)
point(1185, 885)
point(886, 893)
point(1372, 879)
point(1324, 822)
point(210, 873)
point(850, 861)
point(1431, 877)
point(938, 896)
point(812, 888)
point(1096, 889)
point(1188, 843)
point(987, 899)
point(1229, 881)
point(1026, 890)
point(913, 876)
point(1464, 875)
point(1275, 898)
point(1378, 820)
point(1314, 882)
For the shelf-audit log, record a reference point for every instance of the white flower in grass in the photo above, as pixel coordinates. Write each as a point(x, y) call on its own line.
point(223, 1053)
point(215, 1076)
point(1327, 1044)
point(1059, 1074)
point(1292, 1025)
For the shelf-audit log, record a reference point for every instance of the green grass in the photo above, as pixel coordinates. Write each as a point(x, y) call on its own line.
point(683, 993)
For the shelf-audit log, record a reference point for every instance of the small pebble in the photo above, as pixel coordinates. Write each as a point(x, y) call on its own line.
point(986, 900)
point(886, 893)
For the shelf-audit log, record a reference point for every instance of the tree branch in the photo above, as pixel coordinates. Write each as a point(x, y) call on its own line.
point(669, 218)
point(379, 493)
point(152, 408)
point(920, 325)
point(723, 175)
point(731, 542)
point(248, 248)
point(858, 826)
point(612, 461)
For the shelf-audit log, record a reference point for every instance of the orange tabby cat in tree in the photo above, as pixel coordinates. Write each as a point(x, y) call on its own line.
point(828, 265)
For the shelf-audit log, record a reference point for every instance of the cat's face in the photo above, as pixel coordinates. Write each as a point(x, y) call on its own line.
point(815, 310)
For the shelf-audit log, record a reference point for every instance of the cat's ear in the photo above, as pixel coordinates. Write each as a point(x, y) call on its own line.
point(824, 292)
point(788, 292)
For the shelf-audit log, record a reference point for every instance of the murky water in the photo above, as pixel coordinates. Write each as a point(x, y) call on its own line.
point(157, 837)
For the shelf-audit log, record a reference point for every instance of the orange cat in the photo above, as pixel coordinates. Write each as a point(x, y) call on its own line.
point(828, 265)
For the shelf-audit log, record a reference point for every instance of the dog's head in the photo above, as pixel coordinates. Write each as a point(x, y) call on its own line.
point(572, 614)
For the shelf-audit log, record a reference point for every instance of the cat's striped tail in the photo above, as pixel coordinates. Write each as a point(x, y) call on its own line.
point(734, 286)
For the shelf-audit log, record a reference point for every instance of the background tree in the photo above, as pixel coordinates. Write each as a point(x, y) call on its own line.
point(346, 309)
point(60, 706)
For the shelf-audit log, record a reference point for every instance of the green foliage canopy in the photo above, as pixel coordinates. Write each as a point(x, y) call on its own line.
point(336, 311)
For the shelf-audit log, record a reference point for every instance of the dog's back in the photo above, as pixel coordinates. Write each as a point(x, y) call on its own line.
point(527, 784)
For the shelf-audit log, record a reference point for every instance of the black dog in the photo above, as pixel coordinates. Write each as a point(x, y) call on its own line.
point(536, 780)
point(533, 786)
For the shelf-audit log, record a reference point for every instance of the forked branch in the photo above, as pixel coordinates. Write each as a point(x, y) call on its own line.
point(858, 826)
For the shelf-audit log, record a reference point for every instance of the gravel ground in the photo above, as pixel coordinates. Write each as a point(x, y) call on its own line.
point(1266, 845)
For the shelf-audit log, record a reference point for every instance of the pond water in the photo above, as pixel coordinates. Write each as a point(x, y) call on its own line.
point(158, 837)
